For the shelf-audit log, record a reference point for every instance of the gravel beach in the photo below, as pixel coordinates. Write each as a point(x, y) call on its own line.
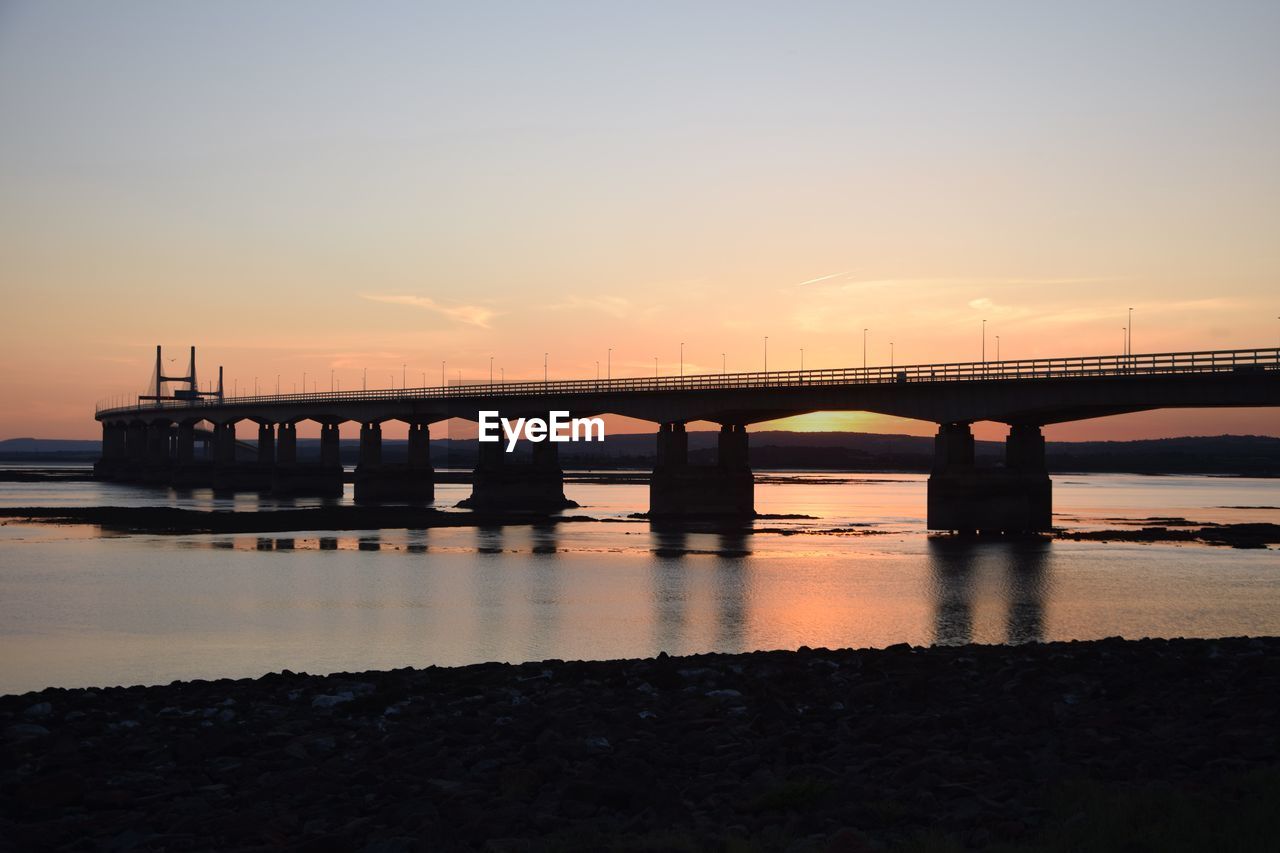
point(841, 750)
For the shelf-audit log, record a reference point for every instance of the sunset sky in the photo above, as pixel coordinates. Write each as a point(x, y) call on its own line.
point(309, 186)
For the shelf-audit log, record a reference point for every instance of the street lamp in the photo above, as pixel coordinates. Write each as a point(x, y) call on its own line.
point(1130, 327)
point(723, 362)
point(891, 355)
point(609, 366)
point(802, 359)
point(442, 381)
point(984, 342)
point(403, 383)
point(544, 368)
point(490, 370)
point(864, 350)
point(682, 359)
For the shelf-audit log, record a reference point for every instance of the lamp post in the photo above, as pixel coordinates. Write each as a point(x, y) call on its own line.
point(609, 366)
point(802, 359)
point(544, 367)
point(442, 380)
point(864, 350)
point(724, 362)
point(682, 359)
point(891, 355)
point(997, 348)
point(597, 370)
point(403, 384)
point(655, 367)
point(984, 343)
point(766, 355)
point(490, 370)
point(1130, 327)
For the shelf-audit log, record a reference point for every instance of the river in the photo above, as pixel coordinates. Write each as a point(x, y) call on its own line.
point(82, 607)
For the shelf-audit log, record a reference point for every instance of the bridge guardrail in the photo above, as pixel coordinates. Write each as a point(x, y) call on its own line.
point(1145, 364)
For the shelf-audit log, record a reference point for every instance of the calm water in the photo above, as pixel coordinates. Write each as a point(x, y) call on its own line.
point(79, 607)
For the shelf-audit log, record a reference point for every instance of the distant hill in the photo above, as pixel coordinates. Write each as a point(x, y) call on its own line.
point(831, 451)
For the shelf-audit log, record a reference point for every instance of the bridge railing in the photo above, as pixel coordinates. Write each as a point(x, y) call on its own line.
point(1141, 364)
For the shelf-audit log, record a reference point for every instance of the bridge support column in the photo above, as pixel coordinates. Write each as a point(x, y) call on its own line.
point(291, 478)
point(114, 456)
point(381, 482)
point(159, 449)
point(330, 447)
point(224, 444)
point(502, 485)
point(186, 448)
point(287, 444)
point(189, 472)
point(723, 490)
point(266, 444)
point(230, 475)
point(1014, 499)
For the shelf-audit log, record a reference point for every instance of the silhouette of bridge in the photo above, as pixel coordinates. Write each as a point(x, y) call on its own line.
point(154, 439)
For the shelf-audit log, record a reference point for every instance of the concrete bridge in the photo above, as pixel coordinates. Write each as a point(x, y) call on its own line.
point(154, 440)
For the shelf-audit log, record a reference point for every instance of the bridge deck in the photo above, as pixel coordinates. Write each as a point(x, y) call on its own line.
point(1022, 370)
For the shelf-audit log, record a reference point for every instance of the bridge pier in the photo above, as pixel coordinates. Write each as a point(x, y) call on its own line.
point(158, 461)
point(1017, 498)
point(189, 472)
point(723, 490)
point(501, 485)
point(266, 444)
point(230, 475)
point(409, 482)
point(114, 457)
point(291, 478)
point(133, 453)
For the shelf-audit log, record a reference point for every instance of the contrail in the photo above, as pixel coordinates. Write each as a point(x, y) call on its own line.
point(824, 278)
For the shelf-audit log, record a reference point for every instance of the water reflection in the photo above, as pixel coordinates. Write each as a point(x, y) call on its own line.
point(488, 593)
point(731, 574)
point(1009, 576)
point(670, 587)
point(545, 595)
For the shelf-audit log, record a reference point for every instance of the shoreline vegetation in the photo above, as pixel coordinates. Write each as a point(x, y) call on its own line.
point(1111, 744)
point(173, 520)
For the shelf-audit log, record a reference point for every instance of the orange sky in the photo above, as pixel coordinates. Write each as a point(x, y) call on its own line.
point(308, 190)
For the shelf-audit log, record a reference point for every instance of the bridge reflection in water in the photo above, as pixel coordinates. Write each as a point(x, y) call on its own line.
point(1007, 580)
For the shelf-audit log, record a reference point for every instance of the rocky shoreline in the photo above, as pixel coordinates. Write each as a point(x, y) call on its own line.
point(849, 750)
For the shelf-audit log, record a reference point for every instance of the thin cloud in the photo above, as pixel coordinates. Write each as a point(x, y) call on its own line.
point(614, 306)
point(471, 315)
point(874, 283)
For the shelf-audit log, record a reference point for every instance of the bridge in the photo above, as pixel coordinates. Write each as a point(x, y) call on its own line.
point(154, 439)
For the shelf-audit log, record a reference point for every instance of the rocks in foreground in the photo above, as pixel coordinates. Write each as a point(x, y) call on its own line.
point(816, 749)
